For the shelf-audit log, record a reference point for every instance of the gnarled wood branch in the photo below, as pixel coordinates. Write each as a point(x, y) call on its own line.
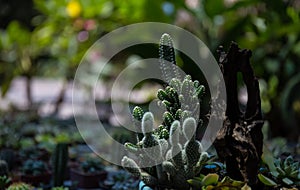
point(239, 143)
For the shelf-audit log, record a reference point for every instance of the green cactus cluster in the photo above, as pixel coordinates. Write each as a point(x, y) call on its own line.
point(169, 155)
point(20, 186)
point(177, 162)
point(181, 99)
point(284, 172)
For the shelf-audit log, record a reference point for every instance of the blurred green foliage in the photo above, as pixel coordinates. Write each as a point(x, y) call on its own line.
point(60, 31)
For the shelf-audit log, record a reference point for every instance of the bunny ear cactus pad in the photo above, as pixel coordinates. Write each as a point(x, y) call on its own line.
point(167, 54)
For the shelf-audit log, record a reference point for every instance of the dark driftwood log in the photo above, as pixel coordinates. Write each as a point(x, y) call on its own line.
point(239, 143)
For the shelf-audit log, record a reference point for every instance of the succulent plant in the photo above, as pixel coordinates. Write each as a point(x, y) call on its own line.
point(179, 162)
point(20, 186)
point(3, 168)
point(121, 180)
point(181, 100)
point(181, 96)
point(59, 188)
point(167, 54)
point(4, 181)
point(211, 182)
point(33, 153)
point(92, 166)
point(34, 167)
point(171, 148)
point(282, 173)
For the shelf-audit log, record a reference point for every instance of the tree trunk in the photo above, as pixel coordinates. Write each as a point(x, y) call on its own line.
point(28, 91)
point(239, 143)
point(60, 98)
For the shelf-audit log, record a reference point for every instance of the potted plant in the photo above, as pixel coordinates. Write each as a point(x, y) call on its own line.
point(34, 153)
point(88, 174)
point(120, 180)
point(35, 172)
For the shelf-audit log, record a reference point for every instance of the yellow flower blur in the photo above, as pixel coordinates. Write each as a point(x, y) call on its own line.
point(73, 9)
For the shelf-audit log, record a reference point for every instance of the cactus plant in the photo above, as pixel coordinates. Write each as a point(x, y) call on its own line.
point(180, 99)
point(167, 53)
point(171, 148)
point(20, 186)
point(60, 160)
point(179, 161)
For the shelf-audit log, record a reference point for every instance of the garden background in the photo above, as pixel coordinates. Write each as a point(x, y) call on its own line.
point(43, 42)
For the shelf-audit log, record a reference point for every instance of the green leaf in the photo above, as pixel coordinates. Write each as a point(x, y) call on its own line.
point(287, 181)
point(213, 8)
point(280, 171)
point(195, 183)
point(295, 174)
point(246, 187)
point(18, 33)
point(267, 181)
point(236, 183)
point(210, 179)
point(268, 158)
